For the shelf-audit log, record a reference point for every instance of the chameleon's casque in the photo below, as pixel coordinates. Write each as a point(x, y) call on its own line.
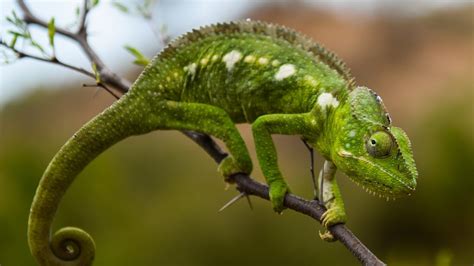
point(240, 72)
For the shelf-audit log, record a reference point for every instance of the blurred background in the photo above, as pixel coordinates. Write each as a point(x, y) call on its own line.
point(153, 199)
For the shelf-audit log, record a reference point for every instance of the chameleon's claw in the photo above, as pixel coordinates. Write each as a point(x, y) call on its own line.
point(327, 236)
point(277, 194)
point(229, 166)
point(333, 215)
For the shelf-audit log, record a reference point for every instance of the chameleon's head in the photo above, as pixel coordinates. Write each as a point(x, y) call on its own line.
point(370, 151)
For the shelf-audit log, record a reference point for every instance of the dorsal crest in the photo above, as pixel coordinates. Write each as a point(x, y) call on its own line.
point(296, 39)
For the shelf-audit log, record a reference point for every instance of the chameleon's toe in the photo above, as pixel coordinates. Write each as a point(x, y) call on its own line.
point(229, 166)
point(334, 215)
point(327, 236)
point(277, 193)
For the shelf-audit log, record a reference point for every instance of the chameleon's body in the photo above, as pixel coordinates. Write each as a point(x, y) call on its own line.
point(242, 72)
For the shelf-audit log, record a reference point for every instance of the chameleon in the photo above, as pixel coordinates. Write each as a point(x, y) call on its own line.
point(217, 76)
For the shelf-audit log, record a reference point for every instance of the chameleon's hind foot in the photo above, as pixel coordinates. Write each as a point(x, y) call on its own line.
point(229, 166)
point(334, 215)
point(327, 236)
point(278, 190)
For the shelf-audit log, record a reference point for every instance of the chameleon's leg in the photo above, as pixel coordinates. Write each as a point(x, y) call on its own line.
point(210, 120)
point(263, 128)
point(331, 198)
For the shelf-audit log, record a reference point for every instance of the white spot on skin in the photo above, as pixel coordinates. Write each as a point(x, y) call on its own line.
point(191, 68)
point(262, 61)
point(326, 99)
point(204, 61)
point(285, 71)
point(352, 133)
point(231, 58)
point(249, 59)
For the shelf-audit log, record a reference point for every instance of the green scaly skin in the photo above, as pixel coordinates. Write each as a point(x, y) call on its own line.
point(240, 72)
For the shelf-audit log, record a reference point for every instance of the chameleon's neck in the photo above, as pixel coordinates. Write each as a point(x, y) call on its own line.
point(328, 114)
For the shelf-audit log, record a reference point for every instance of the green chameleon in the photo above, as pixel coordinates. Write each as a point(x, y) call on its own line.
point(212, 78)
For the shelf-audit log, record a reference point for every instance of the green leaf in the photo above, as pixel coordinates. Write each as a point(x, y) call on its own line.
point(19, 34)
point(133, 51)
point(96, 73)
point(140, 59)
point(51, 32)
point(38, 46)
point(120, 7)
point(95, 2)
point(15, 20)
point(13, 42)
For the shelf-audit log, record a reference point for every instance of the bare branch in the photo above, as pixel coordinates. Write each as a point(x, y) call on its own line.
point(29, 18)
point(107, 75)
point(53, 60)
point(314, 210)
point(82, 23)
point(100, 85)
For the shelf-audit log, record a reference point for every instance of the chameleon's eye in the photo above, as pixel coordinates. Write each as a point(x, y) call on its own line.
point(379, 144)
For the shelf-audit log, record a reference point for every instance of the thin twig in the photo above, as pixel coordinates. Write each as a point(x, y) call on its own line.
point(29, 18)
point(100, 85)
point(107, 76)
point(82, 23)
point(245, 184)
point(53, 60)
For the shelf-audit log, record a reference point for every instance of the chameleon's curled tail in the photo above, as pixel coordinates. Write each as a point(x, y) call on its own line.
point(73, 246)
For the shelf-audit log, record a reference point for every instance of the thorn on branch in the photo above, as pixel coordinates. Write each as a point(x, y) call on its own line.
point(100, 85)
point(232, 201)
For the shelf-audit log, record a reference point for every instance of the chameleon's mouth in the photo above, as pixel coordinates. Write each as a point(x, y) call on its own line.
point(374, 187)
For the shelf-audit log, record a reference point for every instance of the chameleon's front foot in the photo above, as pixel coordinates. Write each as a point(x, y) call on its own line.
point(333, 215)
point(229, 166)
point(277, 192)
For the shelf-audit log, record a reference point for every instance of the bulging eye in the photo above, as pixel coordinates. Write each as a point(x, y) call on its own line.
point(379, 144)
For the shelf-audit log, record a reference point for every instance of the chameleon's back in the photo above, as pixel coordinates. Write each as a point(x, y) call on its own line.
point(247, 68)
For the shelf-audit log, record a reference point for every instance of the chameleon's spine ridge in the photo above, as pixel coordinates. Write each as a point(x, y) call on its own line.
point(69, 245)
point(317, 51)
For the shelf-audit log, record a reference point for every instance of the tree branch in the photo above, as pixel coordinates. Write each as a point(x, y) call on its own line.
point(82, 23)
point(54, 60)
point(244, 183)
point(107, 76)
point(312, 208)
